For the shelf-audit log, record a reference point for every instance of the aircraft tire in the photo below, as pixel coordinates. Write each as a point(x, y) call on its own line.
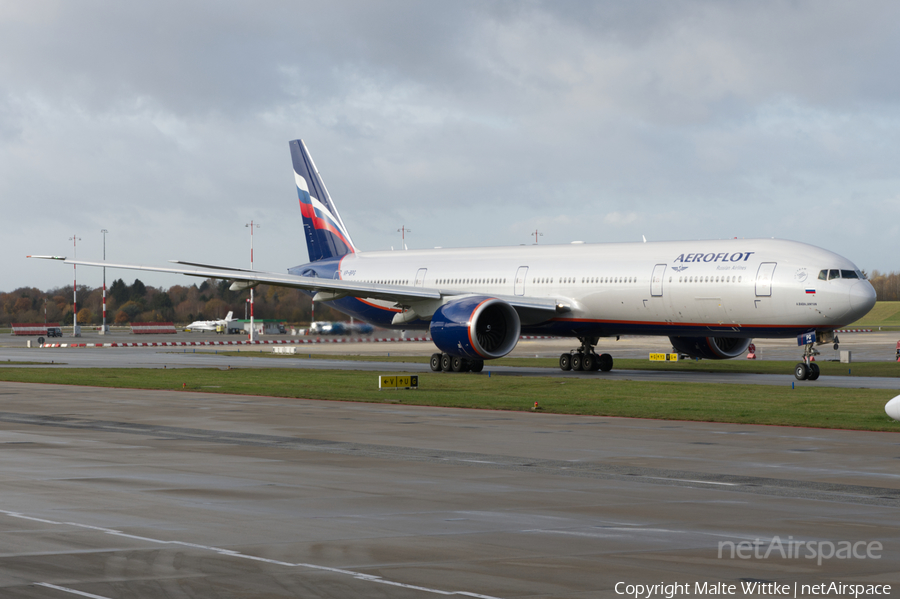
point(446, 363)
point(605, 362)
point(565, 362)
point(458, 364)
point(40, 340)
point(587, 362)
point(813, 371)
point(577, 362)
point(476, 365)
point(801, 371)
point(436, 362)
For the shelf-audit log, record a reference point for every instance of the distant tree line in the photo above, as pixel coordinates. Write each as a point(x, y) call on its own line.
point(209, 300)
point(887, 285)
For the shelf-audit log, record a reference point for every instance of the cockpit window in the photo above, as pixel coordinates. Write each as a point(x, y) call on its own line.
point(823, 275)
point(848, 274)
point(834, 274)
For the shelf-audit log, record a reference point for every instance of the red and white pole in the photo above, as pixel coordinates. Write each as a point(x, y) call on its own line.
point(252, 336)
point(103, 329)
point(75, 333)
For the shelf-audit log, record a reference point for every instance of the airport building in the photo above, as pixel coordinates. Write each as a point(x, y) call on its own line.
point(263, 326)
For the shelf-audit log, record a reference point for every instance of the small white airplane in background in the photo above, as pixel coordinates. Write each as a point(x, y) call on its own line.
point(210, 325)
point(710, 298)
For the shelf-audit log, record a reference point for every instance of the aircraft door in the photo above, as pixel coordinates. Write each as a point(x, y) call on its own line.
point(520, 280)
point(420, 277)
point(656, 280)
point(764, 279)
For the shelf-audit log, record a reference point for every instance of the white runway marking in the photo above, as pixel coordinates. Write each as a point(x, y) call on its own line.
point(237, 554)
point(73, 591)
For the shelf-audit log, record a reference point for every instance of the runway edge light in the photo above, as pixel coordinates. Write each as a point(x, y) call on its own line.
point(892, 408)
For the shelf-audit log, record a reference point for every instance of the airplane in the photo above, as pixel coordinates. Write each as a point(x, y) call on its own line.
point(710, 298)
point(210, 325)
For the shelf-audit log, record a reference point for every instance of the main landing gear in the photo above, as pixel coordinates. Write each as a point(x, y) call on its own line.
point(807, 370)
point(448, 363)
point(585, 359)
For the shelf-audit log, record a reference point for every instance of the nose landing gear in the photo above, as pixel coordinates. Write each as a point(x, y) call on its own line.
point(807, 370)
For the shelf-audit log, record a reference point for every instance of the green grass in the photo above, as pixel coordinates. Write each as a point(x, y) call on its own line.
point(809, 406)
point(888, 369)
point(885, 315)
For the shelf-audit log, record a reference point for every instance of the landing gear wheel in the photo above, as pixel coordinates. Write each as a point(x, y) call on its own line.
point(458, 364)
point(836, 346)
point(436, 362)
point(476, 365)
point(801, 371)
point(813, 371)
point(588, 362)
point(605, 362)
point(577, 362)
point(40, 341)
point(446, 363)
point(565, 362)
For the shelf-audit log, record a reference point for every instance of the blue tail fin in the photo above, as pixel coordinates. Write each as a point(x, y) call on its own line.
point(326, 236)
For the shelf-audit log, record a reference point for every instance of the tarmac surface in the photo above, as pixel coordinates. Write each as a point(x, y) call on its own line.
point(126, 493)
point(116, 493)
point(875, 346)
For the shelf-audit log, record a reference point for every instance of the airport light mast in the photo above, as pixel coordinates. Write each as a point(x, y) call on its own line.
point(103, 329)
point(75, 332)
point(252, 226)
point(403, 231)
point(536, 235)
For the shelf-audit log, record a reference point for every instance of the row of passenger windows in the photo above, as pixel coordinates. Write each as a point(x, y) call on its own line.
point(496, 281)
point(834, 273)
point(539, 281)
point(388, 282)
point(719, 279)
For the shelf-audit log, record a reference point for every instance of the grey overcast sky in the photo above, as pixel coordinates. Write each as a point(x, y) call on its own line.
point(471, 123)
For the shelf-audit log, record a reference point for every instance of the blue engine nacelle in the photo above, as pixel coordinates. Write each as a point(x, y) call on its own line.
point(711, 348)
point(479, 328)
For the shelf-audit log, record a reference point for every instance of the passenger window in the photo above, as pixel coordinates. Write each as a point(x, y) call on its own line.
point(834, 274)
point(848, 274)
point(823, 275)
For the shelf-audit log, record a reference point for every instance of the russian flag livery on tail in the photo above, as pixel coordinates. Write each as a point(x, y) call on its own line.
point(326, 236)
point(710, 298)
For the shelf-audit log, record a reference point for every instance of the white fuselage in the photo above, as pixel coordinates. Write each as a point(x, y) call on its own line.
point(749, 287)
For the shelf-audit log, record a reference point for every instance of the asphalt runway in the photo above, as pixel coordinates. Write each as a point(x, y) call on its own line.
point(127, 493)
point(865, 347)
point(262, 357)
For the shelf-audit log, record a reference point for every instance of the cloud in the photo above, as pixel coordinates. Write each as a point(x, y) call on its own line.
point(168, 124)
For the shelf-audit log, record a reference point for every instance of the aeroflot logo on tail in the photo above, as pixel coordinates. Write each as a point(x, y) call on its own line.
point(723, 257)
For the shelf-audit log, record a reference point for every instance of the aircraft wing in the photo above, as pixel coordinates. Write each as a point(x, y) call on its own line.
point(330, 289)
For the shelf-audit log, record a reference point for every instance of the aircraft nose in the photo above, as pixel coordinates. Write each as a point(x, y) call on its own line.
point(892, 408)
point(862, 298)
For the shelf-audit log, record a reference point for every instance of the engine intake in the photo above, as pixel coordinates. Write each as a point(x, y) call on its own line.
point(711, 348)
point(479, 328)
